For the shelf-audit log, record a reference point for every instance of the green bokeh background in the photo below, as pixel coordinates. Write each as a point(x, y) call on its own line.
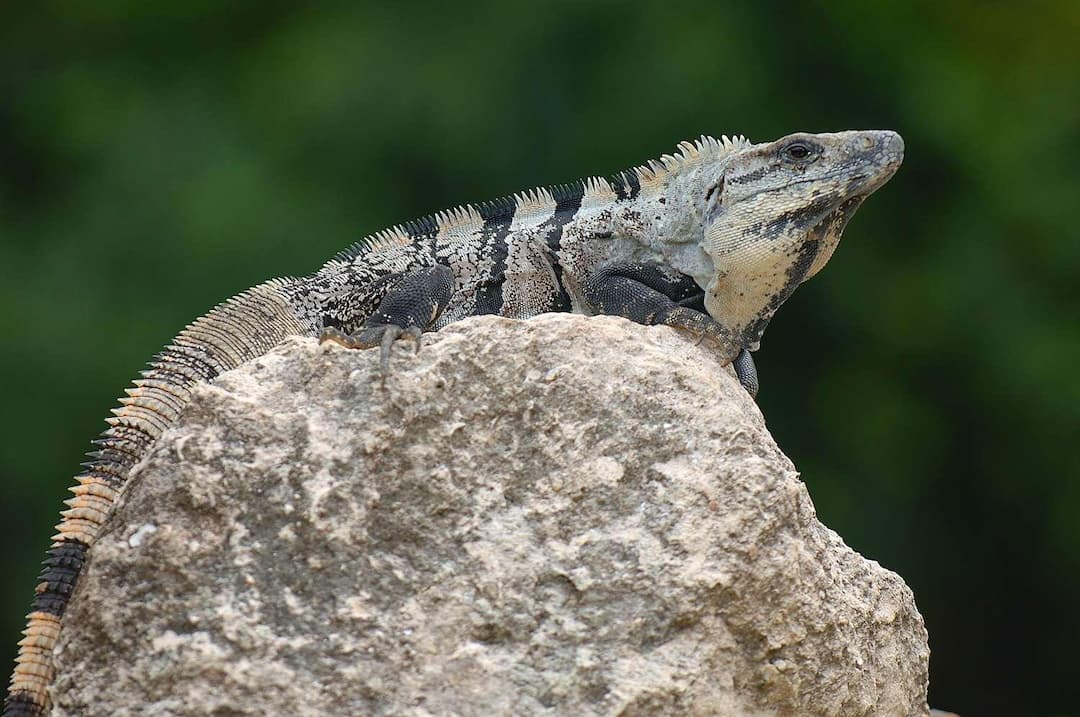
point(156, 158)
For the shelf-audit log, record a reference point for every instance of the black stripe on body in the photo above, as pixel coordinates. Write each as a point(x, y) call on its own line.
point(57, 579)
point(22, 704)
point(128, 440)
point(116, 450)
point(422, 230)
point(194, 362)
point(497, 216)
point(567, 204)
point(113, 474)
point(568, 197)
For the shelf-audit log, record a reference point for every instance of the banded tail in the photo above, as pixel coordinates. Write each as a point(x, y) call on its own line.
point(238, 330)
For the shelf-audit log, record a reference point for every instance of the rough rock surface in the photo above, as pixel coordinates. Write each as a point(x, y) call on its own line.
point(563, 516)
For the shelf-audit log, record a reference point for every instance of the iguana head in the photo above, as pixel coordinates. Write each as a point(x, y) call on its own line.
point(774, 212)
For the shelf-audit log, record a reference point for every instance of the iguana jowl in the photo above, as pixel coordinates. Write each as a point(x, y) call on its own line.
point(710, 240)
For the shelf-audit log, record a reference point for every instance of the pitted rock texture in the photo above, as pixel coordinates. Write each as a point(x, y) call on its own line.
point(560, 516)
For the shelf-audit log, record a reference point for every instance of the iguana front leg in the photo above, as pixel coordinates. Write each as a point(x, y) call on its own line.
point(743, 363)
point(409, 307)
point(651, 294)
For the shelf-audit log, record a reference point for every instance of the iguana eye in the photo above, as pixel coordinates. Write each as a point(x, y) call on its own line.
point(797, 150)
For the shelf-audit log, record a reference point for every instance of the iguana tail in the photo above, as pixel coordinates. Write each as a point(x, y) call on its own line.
point(240, 329)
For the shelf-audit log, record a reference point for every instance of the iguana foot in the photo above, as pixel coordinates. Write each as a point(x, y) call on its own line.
point(411, 303)
point(705, 327)
point(702, 326)
point(368, 337)
point(651, 294)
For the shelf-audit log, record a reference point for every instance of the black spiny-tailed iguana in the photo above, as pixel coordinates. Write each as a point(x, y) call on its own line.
point(710, 240)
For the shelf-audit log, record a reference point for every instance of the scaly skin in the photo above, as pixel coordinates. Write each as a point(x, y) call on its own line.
point(711, 241)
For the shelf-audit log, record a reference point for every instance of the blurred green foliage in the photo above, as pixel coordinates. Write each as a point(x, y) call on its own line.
point(157, 157)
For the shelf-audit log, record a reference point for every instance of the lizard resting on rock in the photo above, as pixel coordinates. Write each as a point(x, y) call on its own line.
point(710, 240)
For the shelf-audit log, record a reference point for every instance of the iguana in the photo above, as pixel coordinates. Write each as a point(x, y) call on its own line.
point(710, 240)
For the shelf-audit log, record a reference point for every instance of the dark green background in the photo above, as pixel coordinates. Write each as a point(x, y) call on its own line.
point(156, 158)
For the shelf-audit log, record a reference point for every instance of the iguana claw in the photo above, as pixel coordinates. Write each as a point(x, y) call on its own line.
point(703, 327)
point(390, 334)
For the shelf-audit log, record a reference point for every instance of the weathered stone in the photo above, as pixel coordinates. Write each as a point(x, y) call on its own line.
point(562, 516)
